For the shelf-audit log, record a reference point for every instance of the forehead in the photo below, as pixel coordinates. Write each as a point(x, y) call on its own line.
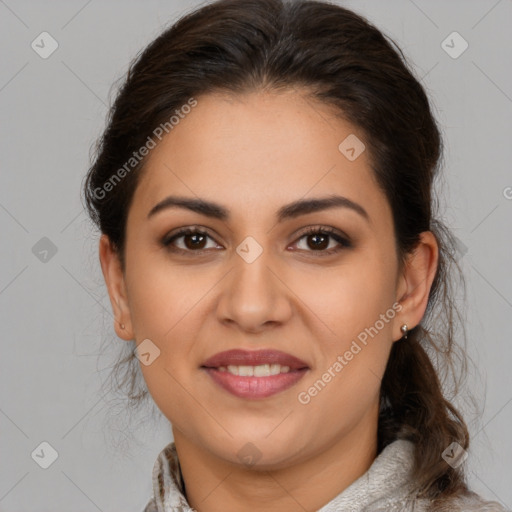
point(256, 152)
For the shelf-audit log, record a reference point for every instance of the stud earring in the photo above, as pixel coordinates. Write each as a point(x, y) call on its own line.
point(122, 326)
point(404, 330)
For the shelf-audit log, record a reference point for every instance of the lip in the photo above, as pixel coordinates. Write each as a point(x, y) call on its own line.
point(253, 358)
point(254, 387)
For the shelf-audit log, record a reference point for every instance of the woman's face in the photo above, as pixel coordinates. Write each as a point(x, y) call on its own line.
point(258, 281)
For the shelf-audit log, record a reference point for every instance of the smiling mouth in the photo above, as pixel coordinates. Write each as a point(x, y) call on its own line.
point(265, 372)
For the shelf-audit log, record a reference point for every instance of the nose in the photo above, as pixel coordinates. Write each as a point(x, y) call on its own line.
point(254, 295)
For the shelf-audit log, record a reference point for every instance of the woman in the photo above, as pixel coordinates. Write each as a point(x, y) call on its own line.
point(269, 244)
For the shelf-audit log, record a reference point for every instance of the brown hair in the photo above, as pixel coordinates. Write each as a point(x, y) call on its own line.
point(344, 61)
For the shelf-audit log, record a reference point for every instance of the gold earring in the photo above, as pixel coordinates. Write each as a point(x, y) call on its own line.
point(404, 330)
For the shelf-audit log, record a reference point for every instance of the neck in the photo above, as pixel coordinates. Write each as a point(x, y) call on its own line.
point(216, 485)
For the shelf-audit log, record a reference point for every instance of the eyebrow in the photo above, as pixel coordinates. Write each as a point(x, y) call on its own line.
point(289, 211)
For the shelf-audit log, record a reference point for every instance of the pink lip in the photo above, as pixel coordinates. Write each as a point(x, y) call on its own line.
point(253, 358)
point(255, 387)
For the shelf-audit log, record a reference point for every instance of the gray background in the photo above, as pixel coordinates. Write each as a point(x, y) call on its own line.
point(55, 313)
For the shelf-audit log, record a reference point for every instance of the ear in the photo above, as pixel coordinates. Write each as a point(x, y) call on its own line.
point(114, 279)
point(415, 282)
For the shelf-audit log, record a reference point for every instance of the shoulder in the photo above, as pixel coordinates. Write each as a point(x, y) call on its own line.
point(468, 502)
point(151, 506)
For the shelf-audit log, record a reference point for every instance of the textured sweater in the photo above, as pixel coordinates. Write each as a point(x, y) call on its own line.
point(385, 487)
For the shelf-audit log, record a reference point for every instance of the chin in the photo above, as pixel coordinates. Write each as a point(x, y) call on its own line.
point(255, 449)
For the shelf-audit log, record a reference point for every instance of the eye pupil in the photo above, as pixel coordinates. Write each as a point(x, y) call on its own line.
point(194, 244)
point(321, 245)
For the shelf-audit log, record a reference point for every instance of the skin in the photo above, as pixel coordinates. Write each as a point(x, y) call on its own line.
point(253, 154)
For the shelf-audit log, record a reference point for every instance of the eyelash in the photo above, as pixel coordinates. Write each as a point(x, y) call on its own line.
point(344, 242)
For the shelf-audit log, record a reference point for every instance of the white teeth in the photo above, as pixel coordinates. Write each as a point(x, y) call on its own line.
point(246, 371)
point(276, 369)
point(261, 370)
point(233, 369)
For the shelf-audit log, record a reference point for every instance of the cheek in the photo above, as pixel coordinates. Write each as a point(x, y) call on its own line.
point(159, 295)
point(353, 306)
point(345, 386)
point(165, 307)
point(346, 299)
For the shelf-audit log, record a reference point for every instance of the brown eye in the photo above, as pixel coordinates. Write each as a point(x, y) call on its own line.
point(194, 240)
point(319, 240)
